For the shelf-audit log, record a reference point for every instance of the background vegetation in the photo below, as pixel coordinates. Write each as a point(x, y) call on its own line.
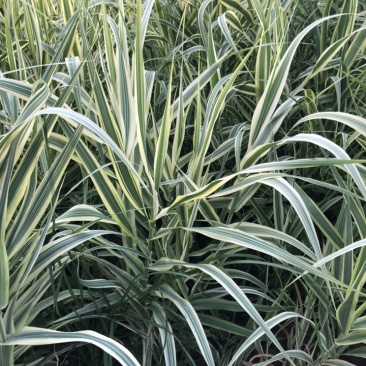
point(182, 182)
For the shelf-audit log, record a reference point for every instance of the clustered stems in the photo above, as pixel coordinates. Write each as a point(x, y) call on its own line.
point(182, 182)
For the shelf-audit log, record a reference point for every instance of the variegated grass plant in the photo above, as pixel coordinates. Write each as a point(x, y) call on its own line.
point(182, 182)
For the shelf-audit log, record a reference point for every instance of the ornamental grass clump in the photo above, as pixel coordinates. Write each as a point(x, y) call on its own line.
point(182, 182)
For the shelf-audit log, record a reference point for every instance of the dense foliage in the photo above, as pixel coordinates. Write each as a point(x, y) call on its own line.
point(182, 182)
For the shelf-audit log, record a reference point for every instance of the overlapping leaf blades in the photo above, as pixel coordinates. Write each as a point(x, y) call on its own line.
point(187, 178)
